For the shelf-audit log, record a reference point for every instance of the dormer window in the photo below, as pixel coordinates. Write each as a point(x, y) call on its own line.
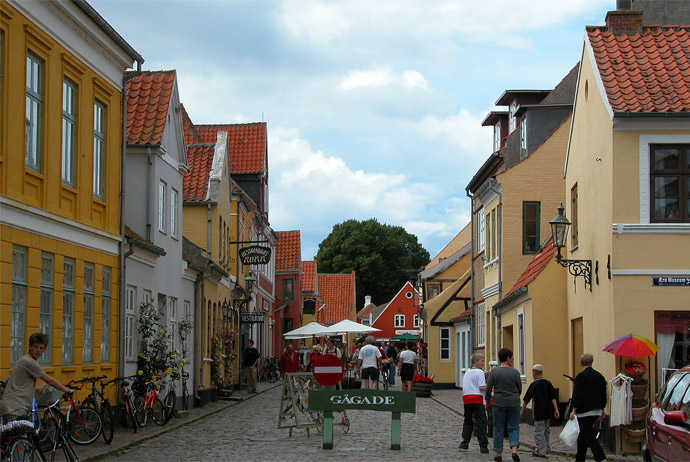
point(512, 120)
point(523, 137)
point(497, 136)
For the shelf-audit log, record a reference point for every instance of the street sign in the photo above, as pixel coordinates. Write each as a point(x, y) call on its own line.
point(255, 255)
point(253, 318)
point(328, 370)
point(680, 281)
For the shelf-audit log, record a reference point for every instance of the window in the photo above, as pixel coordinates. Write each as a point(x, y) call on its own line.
point(69, 127)
point(521, 341)
point(45, 322)
point(512, 122)
point(87, 331)
point(184, 341)
point(573, 217)
point(365, 321)
point(162, 187)
point(99, 150)
point(674, 401)
point(444, 350)
point(480, 231)
point(670, 183)
point(530, 227)
point(18, 317)
point(172, 322)
point(130, 312)
point(494, 234)
point(497, 136)
point(67, 311)
point(173, 215)
point(481, 326)
point(399, 320)
point(148, 298)
point(488, 236)
point(432, 290)
point(105, 315)
point(34, 111)
point(415, 321)
point(288, 290)
point(523, 137)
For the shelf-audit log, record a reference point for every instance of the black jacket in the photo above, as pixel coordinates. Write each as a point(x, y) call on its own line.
point(590, 391)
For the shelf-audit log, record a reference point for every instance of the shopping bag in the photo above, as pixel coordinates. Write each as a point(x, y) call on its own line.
point(570, 432)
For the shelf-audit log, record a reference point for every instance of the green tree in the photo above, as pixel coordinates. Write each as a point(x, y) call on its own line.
point(383, 257)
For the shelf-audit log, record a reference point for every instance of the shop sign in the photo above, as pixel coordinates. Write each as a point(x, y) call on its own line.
point(682, 281)
point(376, 400)
point(255, 255)
point(403, 331)
point(253, 318)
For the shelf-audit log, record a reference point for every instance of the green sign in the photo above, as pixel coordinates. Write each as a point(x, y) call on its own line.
point(375, 400)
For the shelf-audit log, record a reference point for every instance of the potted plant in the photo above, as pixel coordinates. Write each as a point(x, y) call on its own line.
point(421, 385)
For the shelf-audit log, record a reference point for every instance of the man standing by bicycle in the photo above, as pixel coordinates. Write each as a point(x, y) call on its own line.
point(19, 391)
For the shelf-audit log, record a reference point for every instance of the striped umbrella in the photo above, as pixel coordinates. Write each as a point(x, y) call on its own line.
point(631, 345)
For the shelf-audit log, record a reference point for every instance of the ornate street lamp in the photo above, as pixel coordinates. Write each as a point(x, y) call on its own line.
point(249, 281)
point(559, 231)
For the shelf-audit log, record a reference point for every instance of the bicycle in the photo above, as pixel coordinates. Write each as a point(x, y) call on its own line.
point(101, 404)
point(269, 372)
point(54, 433)
point(170, 401)
point(147, 402)
point(17, 439)
point(129, 414)
point(84, 423)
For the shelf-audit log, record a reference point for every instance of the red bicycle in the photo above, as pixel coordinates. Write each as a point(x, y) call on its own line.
point(83, 423)
point(148, 402)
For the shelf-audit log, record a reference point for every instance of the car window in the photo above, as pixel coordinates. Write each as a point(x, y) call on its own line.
point(668, 388)
point(674, 401)
point(685, 402)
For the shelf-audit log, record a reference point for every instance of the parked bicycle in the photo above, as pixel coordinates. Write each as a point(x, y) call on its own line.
point(83, 422)
point(129, 411)
point(101, 404)
point(147, 402)
point(171, 397)
point(54, 432)
point(17, 439)
point(269, 371)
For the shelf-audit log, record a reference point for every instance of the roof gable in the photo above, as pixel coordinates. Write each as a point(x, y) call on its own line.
point(402, 295)
point(149, 96)
point(534, 268)
point(288, 251)
point(309, 276)
point(195, 182)
point(336, 291)
point(246, 142)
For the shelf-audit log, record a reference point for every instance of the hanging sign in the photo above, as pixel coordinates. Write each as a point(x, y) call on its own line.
point(252, 318)
point(671, 281)
point(255, 255)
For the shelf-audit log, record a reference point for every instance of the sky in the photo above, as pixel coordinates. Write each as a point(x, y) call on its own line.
point(373, 107)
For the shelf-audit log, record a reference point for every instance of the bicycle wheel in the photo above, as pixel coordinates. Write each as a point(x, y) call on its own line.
point(129, 414)
point(185, 397)
point(48, 432)
point(22, 449)
point(170, 400)
point(345, 422)
point(140, 410)
point(273, 376)
point(157, 412)
point(108, 419)
point(85, 427)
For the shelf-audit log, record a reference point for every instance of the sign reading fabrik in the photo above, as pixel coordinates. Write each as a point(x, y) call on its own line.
point(255, 255)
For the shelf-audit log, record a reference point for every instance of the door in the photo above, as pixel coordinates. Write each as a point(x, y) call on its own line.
point(464, 349)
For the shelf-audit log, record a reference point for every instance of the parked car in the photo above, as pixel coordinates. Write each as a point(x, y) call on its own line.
point(668, 425)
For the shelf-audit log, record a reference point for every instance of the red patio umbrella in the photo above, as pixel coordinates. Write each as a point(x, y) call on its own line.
point(631, 345)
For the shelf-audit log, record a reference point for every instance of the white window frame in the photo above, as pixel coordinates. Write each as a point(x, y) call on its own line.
point(521, 341)
point(69, 129)
point(34, 111)
point(399, 320)
point(99, 147)
point(18, 311)
point(68, 299)
point(523, 137)
point(415, 321)
point(130, 318)
point(172, 322)
point(444, 344)
point(87, 320)
point(173, 212)
point(481, 324)
point(162, 199)
point(497, 136)
point(147, 298)
point(187, 316)
point(46, 306)
point(512, 120)
point(481, 229)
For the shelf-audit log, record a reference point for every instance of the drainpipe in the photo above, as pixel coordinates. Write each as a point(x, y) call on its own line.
point(472, 280)
point(200, 326)
point(499, 228)
point(148, 192)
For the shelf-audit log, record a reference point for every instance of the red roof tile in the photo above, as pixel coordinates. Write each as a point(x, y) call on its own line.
point(288, 251)
point(148, 100)
point(195, 182)
point(646, 72)
point(309, 276)
point(246, 143)
point(535, 267)
point(337, 293)
point(364, 312)
point(190, 134)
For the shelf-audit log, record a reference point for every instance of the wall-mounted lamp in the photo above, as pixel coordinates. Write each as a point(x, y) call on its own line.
point(559, 230)
point(249, 281)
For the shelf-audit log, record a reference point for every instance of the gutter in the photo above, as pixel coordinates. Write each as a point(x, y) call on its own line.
point(499, 227)
point(654, 115)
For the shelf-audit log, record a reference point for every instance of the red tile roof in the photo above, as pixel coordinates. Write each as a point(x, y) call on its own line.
point(190, 134)
point(646, 72)
point(195, 182)
point(246, 143)
point(364, 312)
point(535, 267)
point(337, 294)
point(288, 251)
point(309, 276)
point(148, 100)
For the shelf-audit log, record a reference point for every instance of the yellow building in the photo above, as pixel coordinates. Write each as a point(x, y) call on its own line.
point(60, 164)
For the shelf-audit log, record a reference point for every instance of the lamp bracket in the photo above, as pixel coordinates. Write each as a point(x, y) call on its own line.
point(577, 268)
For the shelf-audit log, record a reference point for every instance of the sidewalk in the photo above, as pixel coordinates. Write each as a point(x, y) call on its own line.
point(125, 437)
point(452, 399)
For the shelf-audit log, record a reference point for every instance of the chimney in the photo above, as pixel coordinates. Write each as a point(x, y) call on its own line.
point(624, 20)
point(367, 300)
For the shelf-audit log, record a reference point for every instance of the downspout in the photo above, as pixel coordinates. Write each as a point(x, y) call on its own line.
point(148, 192)
point(499, 239)
point(472, 314)
point(121, 244)
point(200, 326)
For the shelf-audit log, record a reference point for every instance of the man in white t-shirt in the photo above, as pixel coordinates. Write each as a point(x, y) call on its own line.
point(407, 363)
point(473, 388)
point(369, 361)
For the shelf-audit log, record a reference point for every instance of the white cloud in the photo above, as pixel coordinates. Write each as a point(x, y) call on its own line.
point(414, 79)
point(375, 78)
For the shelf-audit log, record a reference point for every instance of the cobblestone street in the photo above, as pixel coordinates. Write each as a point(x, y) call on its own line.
point(248, 431)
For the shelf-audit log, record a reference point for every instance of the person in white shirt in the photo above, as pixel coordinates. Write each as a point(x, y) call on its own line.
point(407, 363)
point(473, 387)
point(369, 361)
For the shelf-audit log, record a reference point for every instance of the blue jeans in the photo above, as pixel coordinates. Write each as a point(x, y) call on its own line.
point(510, 416)
point(391, 373)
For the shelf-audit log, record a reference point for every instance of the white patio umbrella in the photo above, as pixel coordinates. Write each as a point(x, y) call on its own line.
point(309, 330)
point(348, 327)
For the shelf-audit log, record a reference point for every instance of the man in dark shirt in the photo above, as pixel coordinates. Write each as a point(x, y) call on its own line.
point(589, 404)
point(543, 397)
point(251, 359)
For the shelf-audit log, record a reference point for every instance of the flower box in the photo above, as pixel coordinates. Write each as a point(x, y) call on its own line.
point(422, 389)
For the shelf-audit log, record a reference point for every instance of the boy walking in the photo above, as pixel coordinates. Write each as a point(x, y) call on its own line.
point(473, 387)
point(543, 394)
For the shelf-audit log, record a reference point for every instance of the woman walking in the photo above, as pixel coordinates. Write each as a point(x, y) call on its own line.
point(505, 383)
